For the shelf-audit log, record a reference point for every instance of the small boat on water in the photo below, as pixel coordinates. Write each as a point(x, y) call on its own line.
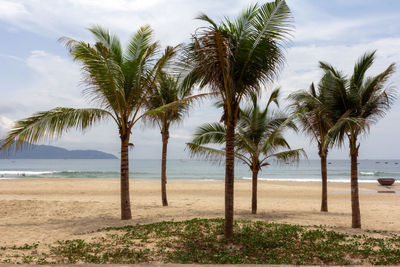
point(386, 181)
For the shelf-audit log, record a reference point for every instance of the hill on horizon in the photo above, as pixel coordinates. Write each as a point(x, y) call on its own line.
point(54, 152)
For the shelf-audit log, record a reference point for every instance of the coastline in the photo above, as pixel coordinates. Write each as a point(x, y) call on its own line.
point(291, 180)
point(50, 209)
point(305, 170)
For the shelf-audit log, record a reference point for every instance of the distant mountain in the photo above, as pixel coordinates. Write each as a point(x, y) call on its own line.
point(53, 152)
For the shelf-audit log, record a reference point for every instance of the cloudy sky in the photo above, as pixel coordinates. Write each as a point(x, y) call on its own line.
point(36, 73)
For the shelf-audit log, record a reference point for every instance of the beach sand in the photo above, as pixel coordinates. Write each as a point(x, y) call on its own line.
point(51, 209)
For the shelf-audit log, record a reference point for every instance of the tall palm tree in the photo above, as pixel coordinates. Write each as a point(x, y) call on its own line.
point(233, 59)
point(117, 81)
point(258, 139)
point(166, 90)
point(357, 102)
point(310, 108)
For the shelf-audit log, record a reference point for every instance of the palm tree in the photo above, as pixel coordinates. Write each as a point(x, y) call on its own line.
point(357, 102)
point(167, 90)
point(258, 139)
point(310, 108)
point(117, 81)
point(233, 59)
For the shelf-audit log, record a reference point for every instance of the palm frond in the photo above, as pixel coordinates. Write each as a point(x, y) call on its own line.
point(357, 102)
point(172, 107)
point(274, 20)
point(236, 57)
point(139, 43)
point(360, 68)
point(311, 109)
point(49, 124)
point(210, 133)
point(272, 24)
point(102, 74)
point(206, 153)
point(288, 156)
point(111, 41)
point(374, 85)
point(207, 19)
point(328, 67)
point(258, 133)
point(273, 98)
point(341, 129)
point(213, 154)
point(242, 26)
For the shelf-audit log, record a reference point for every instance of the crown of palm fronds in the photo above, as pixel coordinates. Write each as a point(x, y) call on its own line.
point(357, 102)
point(258, 136)
point(118, 81)
point(311, 111)
point(168, 89)
point(235, 57)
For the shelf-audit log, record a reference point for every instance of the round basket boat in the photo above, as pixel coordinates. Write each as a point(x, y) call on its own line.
point(386, 181)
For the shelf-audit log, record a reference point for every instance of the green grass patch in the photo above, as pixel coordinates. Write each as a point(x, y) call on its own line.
point(202, 241)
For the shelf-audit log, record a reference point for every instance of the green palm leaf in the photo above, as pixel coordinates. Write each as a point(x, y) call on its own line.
point(49, 124)
point(288, 156)
point(117, 81)
point(111, 41)
point(258, 132)
point(356, 103)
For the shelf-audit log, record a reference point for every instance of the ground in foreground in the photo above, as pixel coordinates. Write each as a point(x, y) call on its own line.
point(202, 241)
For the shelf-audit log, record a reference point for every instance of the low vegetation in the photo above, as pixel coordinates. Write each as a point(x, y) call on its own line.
point(202, 241)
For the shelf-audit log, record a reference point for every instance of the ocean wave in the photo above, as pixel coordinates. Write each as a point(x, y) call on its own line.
point(66, 174)
point(287, 179)
point(27, 173)
point(371, 173)
point(367, 173)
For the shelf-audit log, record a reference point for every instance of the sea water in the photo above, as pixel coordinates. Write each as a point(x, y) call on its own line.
point(149, 169)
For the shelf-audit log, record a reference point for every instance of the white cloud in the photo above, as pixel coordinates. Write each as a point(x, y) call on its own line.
point(302, 61)
point(52, 80)
point(182, 137)
point(12, 57)
point(328, 30)
point(173, 20)
point(9, 9)
point(5, 125)
point(302, 69)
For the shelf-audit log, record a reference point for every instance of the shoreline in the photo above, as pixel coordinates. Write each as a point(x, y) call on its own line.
point(303, 171)
point(371, 181)
point(51, 209)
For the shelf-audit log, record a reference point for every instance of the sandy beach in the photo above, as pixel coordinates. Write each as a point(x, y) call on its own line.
point(47, 210)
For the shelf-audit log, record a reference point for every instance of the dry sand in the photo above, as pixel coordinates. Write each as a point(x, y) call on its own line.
point(47, 210)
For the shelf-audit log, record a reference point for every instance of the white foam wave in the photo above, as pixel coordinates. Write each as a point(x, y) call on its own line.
point(288, 179)
point(27, 173)
point(367, 173)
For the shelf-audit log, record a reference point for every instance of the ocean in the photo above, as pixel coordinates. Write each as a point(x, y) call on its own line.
point(305, 170)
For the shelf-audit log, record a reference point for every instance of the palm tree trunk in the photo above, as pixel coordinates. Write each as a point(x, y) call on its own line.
point(324, 176)
point(254, 192)
point(165, 137)
point(355, 203)
point(125, 201)
point(229, 177)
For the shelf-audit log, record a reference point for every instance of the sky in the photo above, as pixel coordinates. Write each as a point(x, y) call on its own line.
point(36, 72)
